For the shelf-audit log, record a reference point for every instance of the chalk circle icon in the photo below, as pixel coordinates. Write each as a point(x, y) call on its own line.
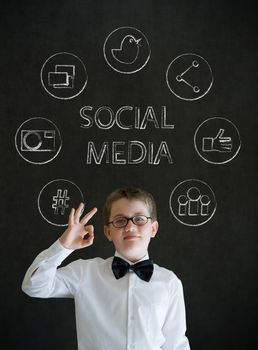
point(217, 140)
point(38, 140)
point(192, 202)
point(189, 77)
point(126, 50)
point(56, 199)
point(63, 75)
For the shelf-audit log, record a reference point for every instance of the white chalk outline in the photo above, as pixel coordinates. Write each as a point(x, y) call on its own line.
point(130, 28)
point(171, 207)
point(58, 132)
point(36, 148)
point(183, 98)
point(40, 193)
point(209, 161)
point(64, 197)
point(120, 48)
point(107, 149)
point(140, 119)
point(43, 84)
point(58, 71)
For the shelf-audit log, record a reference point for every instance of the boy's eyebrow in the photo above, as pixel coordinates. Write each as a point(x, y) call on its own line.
point(123, 215)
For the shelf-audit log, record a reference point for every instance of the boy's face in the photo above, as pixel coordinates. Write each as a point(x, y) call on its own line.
point(132, 240)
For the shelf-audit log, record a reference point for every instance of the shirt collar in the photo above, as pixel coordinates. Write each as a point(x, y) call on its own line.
point(130, 262)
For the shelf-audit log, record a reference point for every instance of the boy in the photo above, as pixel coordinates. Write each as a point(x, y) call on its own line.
point(121, 303)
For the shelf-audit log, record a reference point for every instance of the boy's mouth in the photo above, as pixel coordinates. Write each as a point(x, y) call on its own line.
point(132, 236)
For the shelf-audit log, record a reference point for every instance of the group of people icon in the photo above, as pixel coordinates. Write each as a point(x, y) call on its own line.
point(193, 203)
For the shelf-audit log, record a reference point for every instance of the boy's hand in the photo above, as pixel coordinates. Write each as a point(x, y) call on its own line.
point(73, 237)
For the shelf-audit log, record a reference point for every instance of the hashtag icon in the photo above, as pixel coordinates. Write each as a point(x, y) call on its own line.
point(60, 202)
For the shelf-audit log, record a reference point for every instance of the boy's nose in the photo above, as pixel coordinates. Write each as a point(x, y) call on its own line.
point(130, 225)
point(130, 229)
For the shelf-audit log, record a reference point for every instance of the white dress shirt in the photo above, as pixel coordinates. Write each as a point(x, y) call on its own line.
point(111, 314)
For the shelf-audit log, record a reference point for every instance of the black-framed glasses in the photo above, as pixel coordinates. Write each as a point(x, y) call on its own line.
point(122, 221)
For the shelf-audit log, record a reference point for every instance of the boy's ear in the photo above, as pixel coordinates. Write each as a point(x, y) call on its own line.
point(155, 227)
point(107, 232)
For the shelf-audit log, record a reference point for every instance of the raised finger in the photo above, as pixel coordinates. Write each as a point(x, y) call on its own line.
point(71, 217)
point(88, 216)
point(78, 213)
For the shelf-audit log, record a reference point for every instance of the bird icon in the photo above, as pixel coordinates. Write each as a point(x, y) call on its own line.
point(128, 51)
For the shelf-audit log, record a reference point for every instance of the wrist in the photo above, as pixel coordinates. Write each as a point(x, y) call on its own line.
point(64, 244)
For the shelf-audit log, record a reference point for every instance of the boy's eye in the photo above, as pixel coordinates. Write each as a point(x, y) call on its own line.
point(120, 221)
point(139, 219)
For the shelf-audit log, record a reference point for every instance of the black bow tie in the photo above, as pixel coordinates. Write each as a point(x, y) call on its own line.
point(143, 269)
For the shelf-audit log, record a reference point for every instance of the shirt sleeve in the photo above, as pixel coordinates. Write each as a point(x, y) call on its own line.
point(44, 280)
point(175, 324)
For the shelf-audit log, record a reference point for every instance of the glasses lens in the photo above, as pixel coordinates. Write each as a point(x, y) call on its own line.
point(120, 222)
point(140, 220)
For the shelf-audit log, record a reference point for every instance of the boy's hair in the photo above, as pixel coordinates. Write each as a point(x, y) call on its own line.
point(130, 193)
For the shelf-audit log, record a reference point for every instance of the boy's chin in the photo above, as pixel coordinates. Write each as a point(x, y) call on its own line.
point(132, 252)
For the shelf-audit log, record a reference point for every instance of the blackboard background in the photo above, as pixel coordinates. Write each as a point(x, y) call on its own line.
point(216, 261)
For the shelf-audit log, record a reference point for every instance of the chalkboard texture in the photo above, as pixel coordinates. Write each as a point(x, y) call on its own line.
point(96, 95)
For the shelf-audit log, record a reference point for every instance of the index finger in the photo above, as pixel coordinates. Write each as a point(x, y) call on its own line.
point(88, 216)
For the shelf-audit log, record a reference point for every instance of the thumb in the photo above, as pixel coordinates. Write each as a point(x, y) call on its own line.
point(219, 134)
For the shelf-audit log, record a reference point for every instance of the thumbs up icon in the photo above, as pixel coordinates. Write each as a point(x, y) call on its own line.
point(219, 143)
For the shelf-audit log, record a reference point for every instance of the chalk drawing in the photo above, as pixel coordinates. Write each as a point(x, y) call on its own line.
point(126, 117)
point(126, 50)
point(189, 77)
point(38, 140)
point(63, 75)
point(219, 143)
point(131, 152)
point(217, 140)
point(56, 199)
point(60, 201)
point(192, 202)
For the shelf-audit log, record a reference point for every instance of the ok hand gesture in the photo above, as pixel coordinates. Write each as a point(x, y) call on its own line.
point(73, 237)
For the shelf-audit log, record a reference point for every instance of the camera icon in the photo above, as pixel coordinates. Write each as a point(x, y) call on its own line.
point(38, 140)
